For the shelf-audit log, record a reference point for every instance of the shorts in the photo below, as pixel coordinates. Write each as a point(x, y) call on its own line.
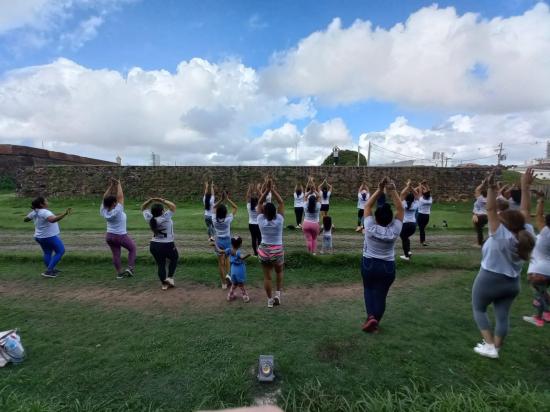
point(222, 243)
point(238, 274)
point(271, 254)
point(324, 208)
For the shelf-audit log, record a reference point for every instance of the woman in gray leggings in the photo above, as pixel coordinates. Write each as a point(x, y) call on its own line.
point(509, 245)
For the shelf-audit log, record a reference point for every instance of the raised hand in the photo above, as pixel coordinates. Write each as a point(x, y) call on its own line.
point(528, 177)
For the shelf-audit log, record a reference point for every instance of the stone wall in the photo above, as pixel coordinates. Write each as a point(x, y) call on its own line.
point(186, 182)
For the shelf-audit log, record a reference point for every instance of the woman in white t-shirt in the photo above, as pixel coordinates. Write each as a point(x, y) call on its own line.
point(409, 199)
point(222, 225)
point(208, 201)
point(299, 204)
point(271, 252)
point(112, 210)
point(158, 213)
point(325, 189)
point(46, 234)
point(378, 264)
point(479, 218)
point(310, 226)
point(511, 240)
point(362, 198)
point(424, 209)
point(539, 267)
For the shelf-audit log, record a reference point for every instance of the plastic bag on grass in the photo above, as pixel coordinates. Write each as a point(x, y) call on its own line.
point(11, 349)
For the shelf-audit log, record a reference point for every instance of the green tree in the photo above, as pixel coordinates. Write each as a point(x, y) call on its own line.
point(346, 158)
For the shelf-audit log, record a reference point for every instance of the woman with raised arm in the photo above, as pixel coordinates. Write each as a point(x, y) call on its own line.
point(409, 200)
point(424, 209)
point(378, 264)
point(311, 220)
point(299, 204)
point(222, 225)
point(362, 198)
point(46, 234)
point(208, 201)
point(112, 209)
point(539, 267)
point(325, 190)
point(479, 218)
point(271, 252)
point(158, 213)
point(251, 204)
point(511, 240)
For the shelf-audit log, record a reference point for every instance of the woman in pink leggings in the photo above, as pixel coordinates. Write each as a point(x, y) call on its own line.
point(311, 220)
point(112, 209)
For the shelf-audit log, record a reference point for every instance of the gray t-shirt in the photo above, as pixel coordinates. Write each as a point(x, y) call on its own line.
point(116, 219)
point(223, 226)
point(252, 215)
point(410, 214)
point(380, 240)
point(540, 258)
point(312, 217)
point(425, 205)
point(165, 226)
point(271, 230)
point(480, 206)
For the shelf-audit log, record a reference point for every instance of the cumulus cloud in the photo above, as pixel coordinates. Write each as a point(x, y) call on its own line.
point(435, 59)
point(86, 31)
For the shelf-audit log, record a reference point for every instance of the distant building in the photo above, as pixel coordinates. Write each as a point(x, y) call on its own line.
point(155, 159)
point(541, 166)
point(410, 163)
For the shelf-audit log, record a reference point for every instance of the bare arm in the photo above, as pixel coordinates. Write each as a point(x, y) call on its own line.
point(248, 193)
point(109, 190)
point(478, 189)
point(406, 190)
point(399, 210)
point(372, 200)
point(526, 180)
point(539, 217)
point(233, 206)
point(170, 205)
point(119, 193)
point(492, 214)
point(219, 202)
point(57, 218)
point(147, 203)
point(279, 200)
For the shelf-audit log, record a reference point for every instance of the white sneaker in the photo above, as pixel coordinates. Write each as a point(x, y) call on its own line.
point(269, 303)
point(534, 321)
point(246, 299)
point(164, 286)
point(403, 257)
point(224, 285)
point(277, 299)
point(486, 349)
point(170, 282)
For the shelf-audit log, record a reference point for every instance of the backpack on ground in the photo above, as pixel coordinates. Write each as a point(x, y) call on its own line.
point(11, 349)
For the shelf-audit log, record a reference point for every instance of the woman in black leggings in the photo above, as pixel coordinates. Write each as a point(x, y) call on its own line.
point(424, 209)
point(251, 204)
point(409, 199)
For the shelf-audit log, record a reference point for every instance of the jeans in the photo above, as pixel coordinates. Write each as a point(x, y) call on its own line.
point(163, 252)
point(210, 227)
point(378, 275)
point(50, 245)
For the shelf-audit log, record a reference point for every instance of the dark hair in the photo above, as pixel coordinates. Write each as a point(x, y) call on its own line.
point(207, 198)
point(427, 195)
point(236, 242)
point(298, 192)
point(327, 223)
point(311, 203)
point(221, 212)
point(547, 220)
point(383, 215)
point(515, 194)
point(109, 201)
point(270, 211)
point(325, 193)
point(484, 193)
point(409, 199)
point(515, 223)
point(38, 203)
point(364, 195)
point(156, 211)
point(253, 202)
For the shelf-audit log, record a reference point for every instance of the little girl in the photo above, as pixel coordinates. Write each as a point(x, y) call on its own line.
point(238, 268)
point(327, 234)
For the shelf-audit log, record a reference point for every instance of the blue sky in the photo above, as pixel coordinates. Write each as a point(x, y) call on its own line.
point(116, 36)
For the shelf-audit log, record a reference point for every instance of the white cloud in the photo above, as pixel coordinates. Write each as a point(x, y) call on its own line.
point(436, 59)
point(255, 22)
point(86, 31)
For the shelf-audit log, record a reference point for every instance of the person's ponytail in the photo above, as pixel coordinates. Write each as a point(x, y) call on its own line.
point(526, 244)
point(153, 225)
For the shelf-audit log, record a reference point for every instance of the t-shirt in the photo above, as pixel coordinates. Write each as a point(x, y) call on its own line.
point(252, 215)
point(410, 214)
point(165, 226)
point(499, 253)
point(271, 230)
point(268, 197)
point(43, 228)
point(425, 205)
point(480, 206)
point(327, 233)
point(299, 200)
point(325, 201)
point(312, 217)
point(209, 212)
point(540, 258)
point(116, 219)
point(360, 201)
point(223, 226)
point(380, 240)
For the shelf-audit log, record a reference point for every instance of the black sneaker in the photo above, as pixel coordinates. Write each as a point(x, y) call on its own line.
point(49, 274)
point(56, 271)
point(121, 275)
point(129, 272)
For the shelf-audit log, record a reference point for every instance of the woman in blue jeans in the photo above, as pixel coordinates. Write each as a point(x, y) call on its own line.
point(378, 266)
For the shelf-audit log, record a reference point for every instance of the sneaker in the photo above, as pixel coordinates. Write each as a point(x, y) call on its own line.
point(546, 316)
point(403, 257)
point(121, 275)
point(246, 299)
point(56, 271)
point(164, 286)
point(269, 303)
point(534, 320)
point(170, 282)
point(129, 272)
point(49, 274)
point(424, 244)
point(299, 226)
point(358, 229)
point(277, 300)
point(230, 297)
point(486, 349)
point(224, 285)
point(370, 325)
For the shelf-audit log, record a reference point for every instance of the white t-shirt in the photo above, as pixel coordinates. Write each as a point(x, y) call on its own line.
point(327, 233)
point(43, 228)
point(312, 217)
point(252, 215)
point(360, 201)
point(425, 205)
point(165, 226)
point(299, 200)
point(209, 212)
point(480, 206)
point(410, 214)
point(327, 200)
point(268, 198)
point(223, 227)
point(116, 219)
point(499, 253)
point(540, 258)
point(271, 230)
point(380, 240)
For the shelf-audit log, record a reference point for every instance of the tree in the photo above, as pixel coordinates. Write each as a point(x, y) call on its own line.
point(346, 158)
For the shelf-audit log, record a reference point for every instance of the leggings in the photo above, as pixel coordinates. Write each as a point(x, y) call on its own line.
point(481, 222)
point(311, 231)
point(256, 237)
point(360, 213)
point(116, 242)
point(422, 220)
point(498, 289)
point(299, 213)
point(540, 285)
point(378, 275)
point(50, 245)
point(163, 252)
point(210, 227)
point(406, 232)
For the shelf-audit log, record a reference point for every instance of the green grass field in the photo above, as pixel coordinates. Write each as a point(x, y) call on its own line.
point(98, 344)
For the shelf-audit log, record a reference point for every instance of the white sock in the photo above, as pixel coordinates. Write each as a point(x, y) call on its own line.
point(278, 293)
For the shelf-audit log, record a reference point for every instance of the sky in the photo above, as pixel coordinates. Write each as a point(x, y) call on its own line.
point(246, 82)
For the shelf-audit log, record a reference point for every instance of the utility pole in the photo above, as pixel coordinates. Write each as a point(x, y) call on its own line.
point(368, 156)
point(499, 153)
point(358, 153)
